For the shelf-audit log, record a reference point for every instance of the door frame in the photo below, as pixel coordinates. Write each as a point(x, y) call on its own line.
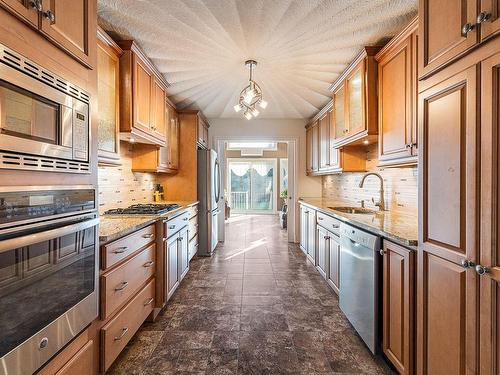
point(218, 143)
point(274, 161)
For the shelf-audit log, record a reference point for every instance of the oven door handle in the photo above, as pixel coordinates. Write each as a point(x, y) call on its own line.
point(30, 239)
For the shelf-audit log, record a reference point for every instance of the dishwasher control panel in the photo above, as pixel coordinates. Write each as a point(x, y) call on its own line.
point(359, 236)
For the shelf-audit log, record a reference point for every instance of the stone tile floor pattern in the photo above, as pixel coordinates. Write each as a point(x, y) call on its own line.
point(256, 307)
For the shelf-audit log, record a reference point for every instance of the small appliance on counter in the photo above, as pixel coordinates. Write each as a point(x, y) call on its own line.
point(49, 266)
point(209, 194)
point(158, 193)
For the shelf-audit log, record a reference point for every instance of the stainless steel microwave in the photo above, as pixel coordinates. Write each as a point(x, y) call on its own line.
point(44, 119)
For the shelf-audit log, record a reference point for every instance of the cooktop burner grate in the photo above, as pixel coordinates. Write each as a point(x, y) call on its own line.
point(143, 209)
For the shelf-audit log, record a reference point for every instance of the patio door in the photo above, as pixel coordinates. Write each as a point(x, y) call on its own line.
point(252, 185)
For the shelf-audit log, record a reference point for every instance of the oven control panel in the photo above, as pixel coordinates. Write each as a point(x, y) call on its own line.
point(80, 131)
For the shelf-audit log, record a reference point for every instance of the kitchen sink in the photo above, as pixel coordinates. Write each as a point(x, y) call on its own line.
point(354, 210)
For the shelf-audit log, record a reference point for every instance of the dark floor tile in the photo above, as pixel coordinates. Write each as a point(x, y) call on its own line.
point(192, 360)
point(263, 318)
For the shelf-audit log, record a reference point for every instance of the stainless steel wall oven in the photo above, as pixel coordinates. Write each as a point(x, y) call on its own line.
point(48, 272)
point(44, 119)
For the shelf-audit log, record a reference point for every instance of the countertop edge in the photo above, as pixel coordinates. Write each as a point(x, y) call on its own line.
point(407, 243)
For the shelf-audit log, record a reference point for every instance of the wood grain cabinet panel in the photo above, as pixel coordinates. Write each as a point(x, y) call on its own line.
point(159, 123)
point(324, 141)
point(489, 283)
point(172, 139)
point(447, 301)
point(108, 97)
point(143, 95)
point(397, 93)
point(71, 25)
point(309, 150)
point(81, 362)
point(22, 9)
point(399, 307)
point(442, 39)
point(489, 18)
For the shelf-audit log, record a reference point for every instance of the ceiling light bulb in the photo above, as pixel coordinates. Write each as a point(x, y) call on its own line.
point(263, 104)
point(248, 115)
point(249, 96)
point(237, 107)
point(255, 112)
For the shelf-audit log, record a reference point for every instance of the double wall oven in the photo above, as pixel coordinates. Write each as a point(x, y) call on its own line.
point(44, 119)
point(48, 272)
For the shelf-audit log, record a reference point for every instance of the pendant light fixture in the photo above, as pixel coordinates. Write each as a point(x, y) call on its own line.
point(250, 96)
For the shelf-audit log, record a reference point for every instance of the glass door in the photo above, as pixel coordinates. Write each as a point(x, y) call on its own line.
point(252, 185)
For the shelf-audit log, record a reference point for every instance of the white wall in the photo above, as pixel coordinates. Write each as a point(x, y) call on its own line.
point(262, 128)
point(271, 128)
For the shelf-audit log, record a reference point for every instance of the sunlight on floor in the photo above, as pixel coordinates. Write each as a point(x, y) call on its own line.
point(255, 244)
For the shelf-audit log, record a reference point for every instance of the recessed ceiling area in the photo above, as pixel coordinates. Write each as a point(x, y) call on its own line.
point(301, 46)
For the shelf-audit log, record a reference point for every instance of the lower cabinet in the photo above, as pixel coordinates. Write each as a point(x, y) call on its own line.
point(183, 252)
point(333, 274)
point(311, 236)
point(177, 249)
point(303, 228)
point(81, 362)
point(398, 314)
point(323, 239)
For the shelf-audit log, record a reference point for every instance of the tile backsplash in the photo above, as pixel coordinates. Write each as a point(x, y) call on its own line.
point(120, 187)
point(400, 185)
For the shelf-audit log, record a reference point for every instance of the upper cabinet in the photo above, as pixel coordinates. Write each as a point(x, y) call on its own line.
point(142, 97)
point(202, 131)
point(69, 24)
point(322, 157)
point(444, 39)
point(172, 147)
point(355, 101)
point(108, 79)
point(397, 96)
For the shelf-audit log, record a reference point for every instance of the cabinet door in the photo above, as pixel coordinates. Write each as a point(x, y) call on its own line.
point(447, 302)
point(108, 77)
point(23, 9)
point(441, 36)
point(324, 142)
point(339, 104)
point(323, 240)
point(159, 124)
point(172, 265)
point(334, 153)
point(172, 138)
point(71, 24)
point(81, 362)
point(489, 308)
point(490, 13)
point(309, 149)
point(183, 252)
point(315, 147)
point(355, 86)
point(304, 222)
point(143, 95)
point(396, 92)
point(398, 307)
point(311, 236)
point(334, 262)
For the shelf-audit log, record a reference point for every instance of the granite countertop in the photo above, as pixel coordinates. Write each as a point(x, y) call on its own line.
point(397, 227)
point(112, 227)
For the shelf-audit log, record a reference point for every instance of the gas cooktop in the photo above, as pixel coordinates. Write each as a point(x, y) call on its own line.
point(143, 209)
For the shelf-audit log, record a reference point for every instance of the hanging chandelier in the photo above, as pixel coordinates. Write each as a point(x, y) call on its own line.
point(250, 96)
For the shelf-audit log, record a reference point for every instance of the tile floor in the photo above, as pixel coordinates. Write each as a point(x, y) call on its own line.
point(256, 307)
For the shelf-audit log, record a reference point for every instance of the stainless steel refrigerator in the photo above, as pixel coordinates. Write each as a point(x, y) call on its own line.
point(209, 194)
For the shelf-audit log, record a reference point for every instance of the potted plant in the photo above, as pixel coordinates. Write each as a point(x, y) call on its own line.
point(284, 208)
point(226, 207)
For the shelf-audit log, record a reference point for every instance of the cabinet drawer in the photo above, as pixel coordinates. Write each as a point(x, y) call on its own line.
point(118, 332)
point(193, 211)
point(175, 224)
point(121, 283)
point(329, 223)
point(116, 251)
point(193, 246)
point(193, 227)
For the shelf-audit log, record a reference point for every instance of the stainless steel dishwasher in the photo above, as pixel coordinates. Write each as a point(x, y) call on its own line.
point(360, 272)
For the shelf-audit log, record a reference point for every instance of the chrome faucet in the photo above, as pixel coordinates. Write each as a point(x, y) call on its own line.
point(380, 204)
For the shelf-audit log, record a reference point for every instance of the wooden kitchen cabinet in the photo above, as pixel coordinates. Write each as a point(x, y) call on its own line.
point(203, 132)
point(81, 362)
point(324, 141)
point(398, 311)
point(397, 96)
point(312, 147)
point(108, 92)
point(69, 24)
point(142, 97)
point(355, 101)
point(446, 32)
point(172, 147)
point(489, 18)
point(447, 301)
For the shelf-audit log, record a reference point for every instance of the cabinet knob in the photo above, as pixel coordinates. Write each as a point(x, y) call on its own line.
point(467, 263)
point(36, 5)
point(483, 17)
point(408, 145)
point(467, 28)
point(481, 270)
point(48, 14)
point(381, 251)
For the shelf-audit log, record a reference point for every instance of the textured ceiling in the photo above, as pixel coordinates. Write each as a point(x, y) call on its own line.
point(301, 46)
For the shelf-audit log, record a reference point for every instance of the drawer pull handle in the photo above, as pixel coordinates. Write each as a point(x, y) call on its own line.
point(120, 250)
point(124, 332)
point(320, 218)
point(335, 226)
point(148, 264)
point(171, 227)
point(148, 235)
point(123, 286)
point(186, 219)
point(149, 301)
